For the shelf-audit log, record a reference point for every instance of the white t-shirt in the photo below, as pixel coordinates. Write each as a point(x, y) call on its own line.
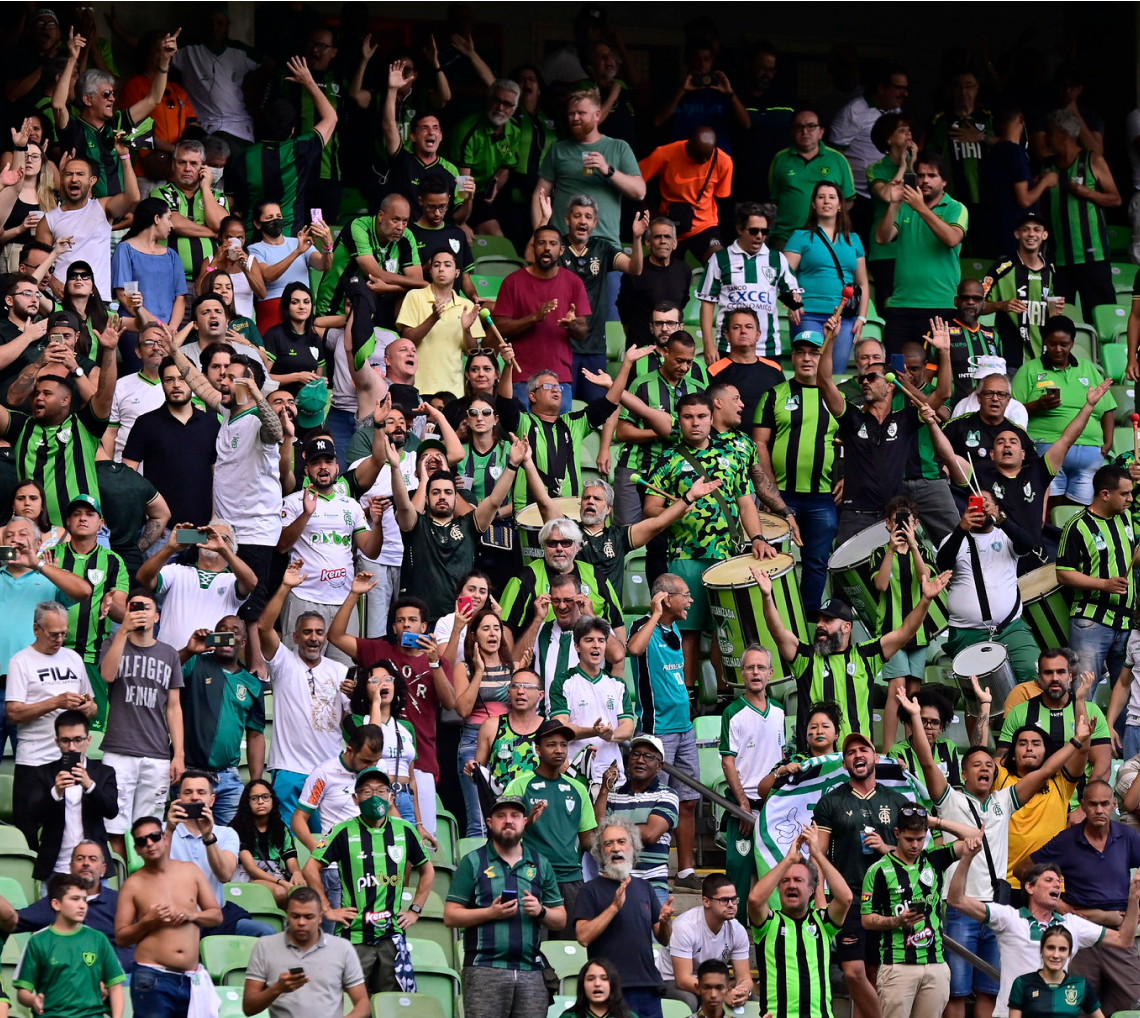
point(247, 484)
point(1014, 410)
point(271, 254)
point(399, 759)
point(329, 789)
point(213, 81)
point(1019, 941)
point(692, 938)
point(851, 133)
point(191, 598)
point(134, 396)
point(32, 678)
point(755, 740)
point(92, 241)
point(444, 627)
point(392, 554)
point(306, 718)
point(586, 701)
point(998, 562)
point(72, 799)
point(995, 813)
point(326, 544)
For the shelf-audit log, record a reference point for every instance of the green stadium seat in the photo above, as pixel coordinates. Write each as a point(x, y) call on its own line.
point(447, 834)
point(6, 784)
point(1109, 320)
point(434, 973)
point(1114, 359)
point(973, 267)
point(1061, 514)
point(406, 1005)
point(9, 959)
point(615, 341)
point(257, 900)
point(495, 266)
point(1125, 396)
point(13, 892)
point(674, 1008)
point(635, 595)
point(692, 313)
point(1123, 277)
point(485, 246)
point(872, 330)
point(1119, 239)
point(229, 1003)
point(469, 845)
point(487, 287)
point(559, 1007)
point(95, 749)
point(706, 726)
point(432, 928)
point(710, 769)
point(591, 446)
point(1086, 346)
point(1122, 440)
point(1072, 310)
point(440, 885)
point(433, 907)
point(566, 957)
point(226, 957)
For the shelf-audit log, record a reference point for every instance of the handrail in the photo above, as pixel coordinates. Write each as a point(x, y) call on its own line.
point(728, 805)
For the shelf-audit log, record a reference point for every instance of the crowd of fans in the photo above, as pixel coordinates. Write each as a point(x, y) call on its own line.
point(334, 407)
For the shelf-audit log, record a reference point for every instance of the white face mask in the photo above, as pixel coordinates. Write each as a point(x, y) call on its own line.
point(216, 181)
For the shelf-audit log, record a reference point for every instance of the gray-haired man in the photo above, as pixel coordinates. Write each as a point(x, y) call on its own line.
point(486, 146)
point(197, 208)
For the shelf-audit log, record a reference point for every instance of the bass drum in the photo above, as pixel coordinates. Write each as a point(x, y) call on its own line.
point(850, 569)
point(528, 522)
point(1045, 607)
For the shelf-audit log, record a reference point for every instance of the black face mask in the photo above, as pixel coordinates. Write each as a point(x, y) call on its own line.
point(273, 227)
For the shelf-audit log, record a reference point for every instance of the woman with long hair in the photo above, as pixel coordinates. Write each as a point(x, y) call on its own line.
point(451, 629)
point(599, 992)
point(296, 348)
point(266, 851)
point(378, 698)
point(38, 194)
point(82, 298)
point(890, 134)
point(827, 256)
point(285, 260)
point(233, 256)
point(1051, 992)
point(30, 501)
point(221, 285)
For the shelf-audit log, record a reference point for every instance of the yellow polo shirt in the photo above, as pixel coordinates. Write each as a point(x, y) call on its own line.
point(1037, 821)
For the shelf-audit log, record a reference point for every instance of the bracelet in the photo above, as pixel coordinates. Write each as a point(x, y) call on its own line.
point(1075, 742)
point(126, 157)
point(541, 915)
point(330, 247)
point(512, 466)
point(434, 664)
point(861, 318)
point(687, 500)
point(758, 537)
point(19, 148)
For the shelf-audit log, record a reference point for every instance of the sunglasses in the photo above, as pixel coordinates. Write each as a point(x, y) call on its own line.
point(758, 231)
point(556, 542)
point(912, 811)
point(476, 412)
point(108, 93)
point(80, 275)
point(154, 838)
point(870, 376)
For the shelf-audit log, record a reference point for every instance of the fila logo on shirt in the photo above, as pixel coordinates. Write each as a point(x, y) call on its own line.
point(54, 674)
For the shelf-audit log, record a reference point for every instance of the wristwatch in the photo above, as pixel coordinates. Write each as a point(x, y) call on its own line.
point(79, 372)
point(211, 840)
point(611, 171)
point(417, 909)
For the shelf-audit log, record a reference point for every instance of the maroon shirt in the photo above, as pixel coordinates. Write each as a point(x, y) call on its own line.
point(421, 706)
point(545, 346)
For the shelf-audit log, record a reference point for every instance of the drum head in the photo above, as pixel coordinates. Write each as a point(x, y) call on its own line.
point(737, 572)
point(531, 516)
point(1038, 582)
point(980, 659)
point(858, 549)
point(773, 529)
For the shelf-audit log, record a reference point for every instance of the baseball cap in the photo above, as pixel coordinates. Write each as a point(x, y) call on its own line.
point(64, 318)
point(507, 800)
point(1030, 217)
point(45, 12)
point(311, 403)
point(648, 740)
point(835, 609)
point(88, 501)
point(808, 336)
point(550, 726)
point(427, 444)
point(372, 772)
point(322, 445)
point(856, 739)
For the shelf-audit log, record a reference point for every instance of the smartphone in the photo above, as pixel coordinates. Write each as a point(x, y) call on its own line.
point(489, 190)
point(976, 504)
point(191, 537)
point(464, 603)
point(297, 972)
point(316, 216)
point(7, 553)
point(69, 759)
point(910, 179)
point(902, 519)
point(703, 80)
point(509, 894)
point(220, 640)
point(56, 339)
point(410, 641)
point(137, 606)
point(898, 363)
point(193, 810)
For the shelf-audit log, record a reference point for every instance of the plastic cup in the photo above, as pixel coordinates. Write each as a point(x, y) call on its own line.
point(131, 286)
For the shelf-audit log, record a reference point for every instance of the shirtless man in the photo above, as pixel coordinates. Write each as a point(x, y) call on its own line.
point(161, 907)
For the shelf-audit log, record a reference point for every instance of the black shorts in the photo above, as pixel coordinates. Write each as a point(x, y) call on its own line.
point(699, 243)
point(855, 943)
point(483, 211)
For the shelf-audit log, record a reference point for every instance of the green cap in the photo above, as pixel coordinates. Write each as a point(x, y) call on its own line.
point(809, 336)
point(90, 501)
point(311, 403)
point(370, 772)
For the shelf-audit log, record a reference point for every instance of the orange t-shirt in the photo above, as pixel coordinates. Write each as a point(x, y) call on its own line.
point(172, 113)
point(682, 180)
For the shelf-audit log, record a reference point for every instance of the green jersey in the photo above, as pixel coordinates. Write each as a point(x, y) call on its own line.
point(98, 144)
point(557, 446)
point(478, 471)
point(334, 88)
point(946, 757)
point(1035, 998)
point(476, 148)
point(218, 708)
point(922, 461)
point(846, 814)
point(793, 959)
point(534, 579)
point(927, 272)
point(891, 887)
point(60, 456)
point(882, 172)
point(360, 239)
point(802, 437)
point(192, 250)
point(1011, 279)
point(657, 394)
point(276, 171)
point(1073, 381)
point(711, 529)
point(792, 178)
point(1058, 726)
point(1103, 548)
point(554, 835)
point(67, 968)
point(537, 132)
point(965, 157)
point(511, 943)
point(371, 862)
point(105, 571)
point(844, 679)
point(1077, 228)
point(905, 591)
point(512, 754)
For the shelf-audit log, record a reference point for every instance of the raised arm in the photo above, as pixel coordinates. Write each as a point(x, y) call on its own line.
point(270, 641)
point(199, 383)
point(360, 95)
point(145, 106)
point(108, 369)
point(936, 783)
point(300, 74)
point(1028, 786)
point(894, 641)
point(339, 636)
point(832, 397)
point(787, 642)
point(1055, 454)
point(485, 511)
point(405, 512)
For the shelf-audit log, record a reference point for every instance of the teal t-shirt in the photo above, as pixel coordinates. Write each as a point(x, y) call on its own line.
point(816, 273)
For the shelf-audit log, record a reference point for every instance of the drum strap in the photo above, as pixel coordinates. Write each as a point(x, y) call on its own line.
point(729, 514)
point(983, 597)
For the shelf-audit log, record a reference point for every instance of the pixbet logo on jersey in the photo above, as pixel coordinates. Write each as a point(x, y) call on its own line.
point(372, 880)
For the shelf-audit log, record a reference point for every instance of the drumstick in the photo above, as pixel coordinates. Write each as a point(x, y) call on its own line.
point(638, 479)
point(972, 479)
point(491, 327)
point(1135, 419)
point(890, 377)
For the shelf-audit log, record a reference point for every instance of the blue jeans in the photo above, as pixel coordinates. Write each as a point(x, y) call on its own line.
point(468, 741)
point(643, 1003)
point(341, 424)
point(583, 388)
point(524, 399)
point(1096, 646)
point(406, 806)
point(227, 792)
point(159, 993)
point(976, 937)
point(818, 518)
point(841, 351)
point(253, 928)
point(1074, 479)
point(7, 729)
point(330, 879)
point(1131, 741)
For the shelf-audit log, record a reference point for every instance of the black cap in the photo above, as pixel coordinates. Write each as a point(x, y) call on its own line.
point(65, 318)
point(549, 726)
point(835, 609)
point(507, 800)
point(1031, 217)
point(322, 445)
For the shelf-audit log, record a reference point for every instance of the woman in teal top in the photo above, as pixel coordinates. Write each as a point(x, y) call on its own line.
point(485, 455)
point(1051, 992)
point(266, 852)
point(812, 254)
point(890, 134)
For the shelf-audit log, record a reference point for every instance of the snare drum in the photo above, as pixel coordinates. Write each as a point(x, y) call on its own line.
point(773, 529)
point(1045, 607)
point(990, 663)
point(851, 578)
point(738, 609)
point(528, 522)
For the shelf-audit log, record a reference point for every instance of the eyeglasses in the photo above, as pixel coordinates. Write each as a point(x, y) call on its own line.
point(559, 542)
point(734, 900)
point(563, 602)
point(664, 325)
point(77, 741)
point(999, 396)
point(758, 231)
point(149, 342)
point(263, 797)
point(153, 838)
point(547, 386)
point(476, 412)
point(931, 723)
point(523, 685)
point(26, 293)
point(644, 754)
point(435, 208)
point(509, 104)
point(805, 127)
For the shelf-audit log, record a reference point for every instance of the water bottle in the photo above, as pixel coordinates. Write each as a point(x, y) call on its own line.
point(867, 849)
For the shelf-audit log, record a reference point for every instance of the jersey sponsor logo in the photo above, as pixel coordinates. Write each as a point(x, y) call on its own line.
point(743, 296)
point(377, 918)
point(332, 575)
point(866, 896)
point(376, 880)
point(54, 674)
point(327, 537)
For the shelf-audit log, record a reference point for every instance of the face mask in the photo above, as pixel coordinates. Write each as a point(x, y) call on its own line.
point(216, 178)
point(273, 227)
point(374, 808)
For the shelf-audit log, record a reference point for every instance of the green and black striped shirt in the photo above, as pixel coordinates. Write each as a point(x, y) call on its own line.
point(192, 250)
point(357, 239)
point(334, 88)
point(276, 171)
point(105, 571)
point(557, 449)
point(1076, 225)
point(657, 394)
point(793, 959)
point(1103, 548)
point(904, 593)
point(1011, 279)
point(891, 887)
point(803, 437)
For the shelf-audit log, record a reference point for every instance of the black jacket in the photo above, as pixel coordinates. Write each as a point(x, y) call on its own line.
point(46, 814)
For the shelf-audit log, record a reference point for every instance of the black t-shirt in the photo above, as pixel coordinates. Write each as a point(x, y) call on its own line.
point(591, 266)
point(875, 455)
point(628, 940)
point(443, 238)
point(290, 352)
point(751, 381)
point(405, 171)
point(1022, 498)
point(639, 295)
point(9, 330)
point(969, 434)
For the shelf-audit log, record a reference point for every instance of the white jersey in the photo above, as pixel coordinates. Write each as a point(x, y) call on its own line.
point(754, 738)
point(691, 938)
point(247, 484)
point(326, 544)
point(995, 814)
point(399, 757)
point(213, 81)
point(307, 708)
point(134, 396)
point(329, 789)
point(33, 678)
point(851, 133)
point(392, 554)
point(583, 700)
point(92, 241)
point(191, 598)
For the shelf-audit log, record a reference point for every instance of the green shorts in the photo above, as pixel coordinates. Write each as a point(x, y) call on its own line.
point(690, 569)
